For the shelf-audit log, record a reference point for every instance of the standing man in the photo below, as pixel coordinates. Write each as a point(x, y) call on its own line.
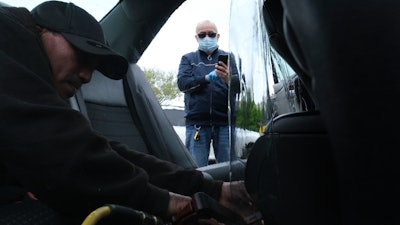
point(205, 82)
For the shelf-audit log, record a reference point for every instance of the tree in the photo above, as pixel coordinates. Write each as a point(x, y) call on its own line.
point(163, 84)
point(249, 115)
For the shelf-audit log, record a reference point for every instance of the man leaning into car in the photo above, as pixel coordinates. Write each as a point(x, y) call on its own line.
point(50, 150)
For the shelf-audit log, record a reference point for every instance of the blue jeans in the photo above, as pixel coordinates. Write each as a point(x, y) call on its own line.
point(200, 149)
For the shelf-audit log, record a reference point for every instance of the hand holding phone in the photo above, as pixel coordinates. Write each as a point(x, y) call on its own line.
point(221, 70)
point(223, 58)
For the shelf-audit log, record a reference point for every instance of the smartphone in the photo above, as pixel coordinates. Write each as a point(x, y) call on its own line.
point(223, 58)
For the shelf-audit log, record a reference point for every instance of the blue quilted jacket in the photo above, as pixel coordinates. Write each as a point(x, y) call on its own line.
point(206, 103)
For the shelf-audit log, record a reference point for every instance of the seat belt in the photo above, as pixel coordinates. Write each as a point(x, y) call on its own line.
point(77, 103)
point(132, 110)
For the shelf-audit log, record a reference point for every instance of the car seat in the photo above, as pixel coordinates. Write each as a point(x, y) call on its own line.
point(290, 171)
point(128, 111)
point(350, 51)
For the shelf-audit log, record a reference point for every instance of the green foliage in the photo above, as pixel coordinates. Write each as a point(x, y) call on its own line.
point(163, 84)
point(249, 115)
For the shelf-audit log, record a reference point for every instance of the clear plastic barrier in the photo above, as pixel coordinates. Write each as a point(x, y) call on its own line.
point(267, 82)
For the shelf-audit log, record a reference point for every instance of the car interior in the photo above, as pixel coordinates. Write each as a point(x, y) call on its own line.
point(330, 156)
point(127, 110)
point(133, 101)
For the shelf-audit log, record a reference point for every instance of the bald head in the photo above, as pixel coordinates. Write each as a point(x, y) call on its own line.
point(206, 25)
point(207, 36)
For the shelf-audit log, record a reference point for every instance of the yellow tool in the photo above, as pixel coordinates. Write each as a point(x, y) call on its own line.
point(97, 215)
point(137, 217)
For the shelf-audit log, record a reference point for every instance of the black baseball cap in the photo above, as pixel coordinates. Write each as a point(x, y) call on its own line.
point(82, 31)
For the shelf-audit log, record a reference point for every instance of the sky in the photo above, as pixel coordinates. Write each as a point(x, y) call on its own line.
point(176, 37)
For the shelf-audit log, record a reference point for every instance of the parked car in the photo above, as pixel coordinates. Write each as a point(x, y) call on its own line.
point(320, 78)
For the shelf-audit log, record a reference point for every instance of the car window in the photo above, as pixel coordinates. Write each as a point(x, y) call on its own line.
point(247, 44)
point(267, 81)
point(161, 59)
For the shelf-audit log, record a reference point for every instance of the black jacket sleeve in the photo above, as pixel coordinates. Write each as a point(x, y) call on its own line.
point(168, 175)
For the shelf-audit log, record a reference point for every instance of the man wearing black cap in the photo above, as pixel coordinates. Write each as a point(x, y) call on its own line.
point(50, 150)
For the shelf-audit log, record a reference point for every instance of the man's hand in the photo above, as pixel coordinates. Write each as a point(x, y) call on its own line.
point(177, 203)
point(222, 71)
point(234, 191)
point(235, 197)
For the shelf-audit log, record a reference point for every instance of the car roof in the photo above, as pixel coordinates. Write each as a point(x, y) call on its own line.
point(139, 21)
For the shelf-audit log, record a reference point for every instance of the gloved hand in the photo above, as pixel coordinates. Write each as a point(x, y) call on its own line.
point(212, 76)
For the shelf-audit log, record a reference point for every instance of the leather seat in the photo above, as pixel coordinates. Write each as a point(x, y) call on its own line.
point(349, 51)
point(128, 111)
point(290, 171)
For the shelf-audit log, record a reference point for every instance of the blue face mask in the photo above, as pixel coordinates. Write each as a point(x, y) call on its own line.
point(208, 44)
